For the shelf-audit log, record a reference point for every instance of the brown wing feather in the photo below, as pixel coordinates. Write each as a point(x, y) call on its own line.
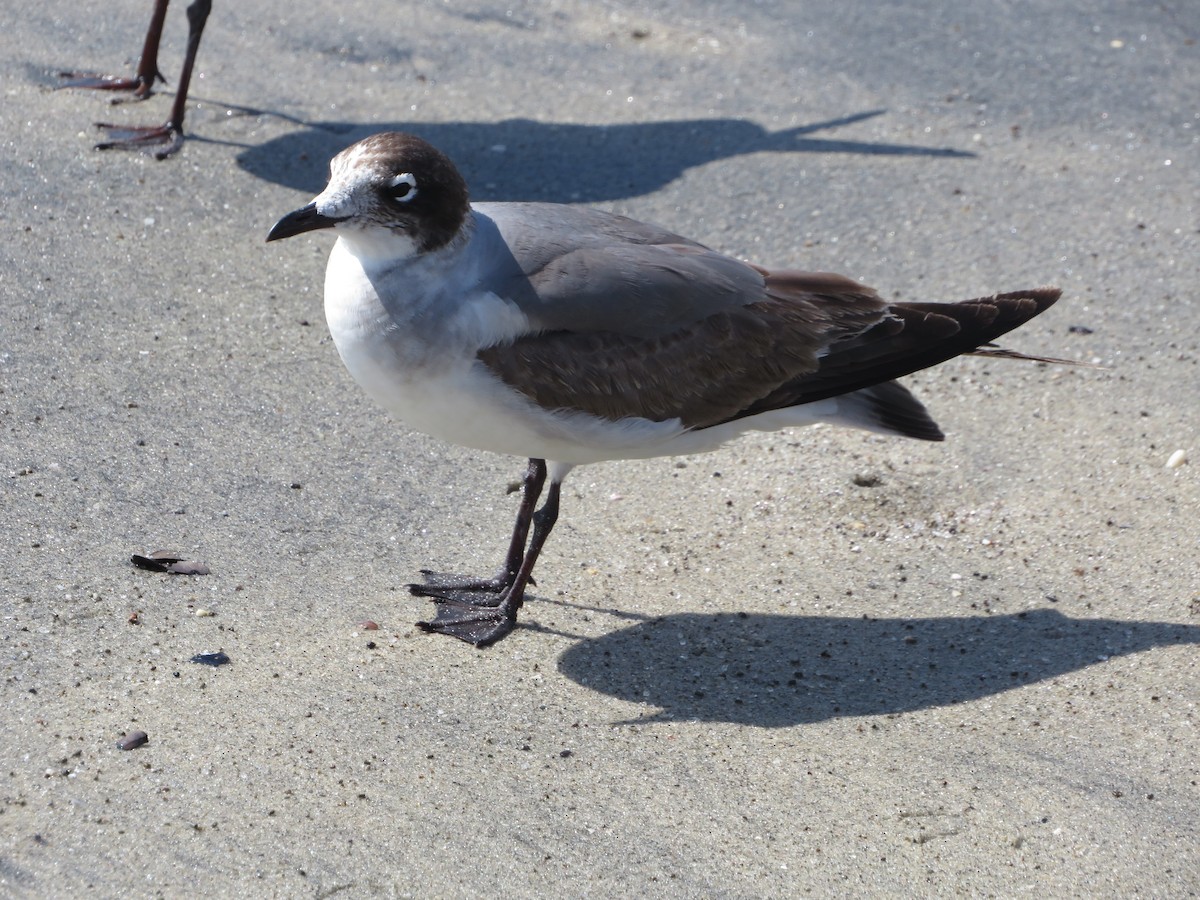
point(704, 373)
point(810, 336)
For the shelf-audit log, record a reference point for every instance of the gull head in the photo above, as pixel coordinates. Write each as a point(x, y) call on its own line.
point(390, 189)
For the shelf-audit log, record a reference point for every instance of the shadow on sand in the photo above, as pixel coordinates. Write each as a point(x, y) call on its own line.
point(776, 671)
point(520, 159)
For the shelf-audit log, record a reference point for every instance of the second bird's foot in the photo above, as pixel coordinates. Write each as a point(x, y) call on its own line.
point(89, 81)
point(159, 140)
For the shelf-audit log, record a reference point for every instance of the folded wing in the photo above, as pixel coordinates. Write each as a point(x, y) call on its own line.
point(708, 340)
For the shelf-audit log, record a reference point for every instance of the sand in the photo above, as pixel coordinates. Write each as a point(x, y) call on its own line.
point(816, 663)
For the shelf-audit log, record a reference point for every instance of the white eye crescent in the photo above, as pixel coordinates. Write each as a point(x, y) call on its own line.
point(403, 187)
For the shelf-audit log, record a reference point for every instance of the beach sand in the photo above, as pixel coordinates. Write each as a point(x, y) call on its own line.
point(819, 662)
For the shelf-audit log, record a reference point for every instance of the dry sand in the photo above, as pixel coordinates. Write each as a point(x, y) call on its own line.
point(817, 663)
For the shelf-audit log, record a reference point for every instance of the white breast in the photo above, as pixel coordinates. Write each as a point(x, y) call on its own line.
point(413, 350)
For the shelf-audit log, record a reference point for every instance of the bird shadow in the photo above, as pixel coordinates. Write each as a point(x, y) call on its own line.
point(521, 159)
point(775, 671)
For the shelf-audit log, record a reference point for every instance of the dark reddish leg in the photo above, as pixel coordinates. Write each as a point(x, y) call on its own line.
point(142, 83)
point(161, 140)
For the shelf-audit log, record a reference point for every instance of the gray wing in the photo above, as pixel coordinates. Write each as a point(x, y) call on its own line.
point(630, 320)
point(709, 370)
point(577, 269)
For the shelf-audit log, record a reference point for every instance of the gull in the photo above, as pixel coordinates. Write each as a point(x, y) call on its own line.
point(570, 336)
point(161, 140)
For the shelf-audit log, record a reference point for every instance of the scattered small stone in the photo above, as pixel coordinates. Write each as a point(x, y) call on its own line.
point(170, 562)
point(211, 659)
point(134, 617)
point(565, 753)
point(368, 625)
point(133, 740)
point(1080, 329)
point(1177, 459)
point(863, 480)
point(204, 613)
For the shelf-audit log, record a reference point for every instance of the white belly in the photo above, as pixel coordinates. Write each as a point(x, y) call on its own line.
point(421, 366)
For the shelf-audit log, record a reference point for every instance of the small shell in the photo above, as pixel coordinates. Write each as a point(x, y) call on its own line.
point(132, 741)
point(169, 561)
point(1177, 459)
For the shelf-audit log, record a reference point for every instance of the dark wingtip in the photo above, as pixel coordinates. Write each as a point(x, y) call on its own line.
point(1025, 305)
point(952, 329)
point(1044, 297)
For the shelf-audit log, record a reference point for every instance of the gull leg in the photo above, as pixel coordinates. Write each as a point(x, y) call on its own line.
point(142, 83)
point(488, 591)
point(163, 140)
point(480, 625)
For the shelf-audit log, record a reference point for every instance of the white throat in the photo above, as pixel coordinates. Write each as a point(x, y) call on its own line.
point(376, 248)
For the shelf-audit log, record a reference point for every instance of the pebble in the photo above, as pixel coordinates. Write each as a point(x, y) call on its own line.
point(204, 613)
point(368, 625)
point(169, 561)
point(1177, 459)
point(211, 659)
point(133, 740)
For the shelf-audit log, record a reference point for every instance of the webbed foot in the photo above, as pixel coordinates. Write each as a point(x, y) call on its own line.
point(159, 140)
point(473, 623)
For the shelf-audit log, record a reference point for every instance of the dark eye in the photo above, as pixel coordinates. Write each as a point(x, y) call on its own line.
point(403, 187)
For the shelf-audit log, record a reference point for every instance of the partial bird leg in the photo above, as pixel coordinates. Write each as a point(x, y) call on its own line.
point(484, 625)
point(163, 140)
point(486, 591)
point(142, 83)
